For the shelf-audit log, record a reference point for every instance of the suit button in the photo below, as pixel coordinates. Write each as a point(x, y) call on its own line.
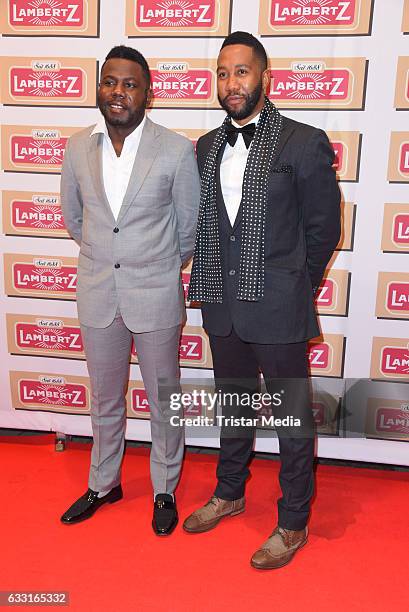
point(232, 272)
point(117, 266)
point(233, 238)
point(116, 230)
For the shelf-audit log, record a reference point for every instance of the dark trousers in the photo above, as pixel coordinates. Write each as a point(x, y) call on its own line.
point(284, 366)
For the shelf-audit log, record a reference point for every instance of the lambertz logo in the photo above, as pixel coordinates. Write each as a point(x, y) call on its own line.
point(49, 81)
point(327, 295)
point(320, 356)
point(46, 275)
point(39, 216)
point(42, 277)
point(34, 335)
point(194, 349)
point(395, 360)
point(50, 392)
point(387, 418)
point(48, 17)
point(346, 147)
point(319, 413)
point(185, 284)
point(339, 150)
point(175, 13)
point(181, 83)
point(393, 296)
point(326, 356)
point(46, 13)
point(312, 12)
point(315, 17)
point(398, 169)
point(325, 411)
point(33, 214)
point(395, 234)
point(178, 17)
point(390, 359)
point(139, 404)
point(34, 149)
point(392, 420)
point(52, 82)
point(316, 83)
point(404, 159)
point(398, 297)
point(332, 294)
point(34, 392)
point(38, 149)
point(401, 230)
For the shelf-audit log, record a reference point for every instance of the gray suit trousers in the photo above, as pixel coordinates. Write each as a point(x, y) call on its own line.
point(108, 352)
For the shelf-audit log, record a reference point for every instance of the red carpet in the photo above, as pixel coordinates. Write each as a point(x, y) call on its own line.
point(356, 558)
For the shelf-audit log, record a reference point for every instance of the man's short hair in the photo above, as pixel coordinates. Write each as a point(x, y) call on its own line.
point(245, 38)
point(128, 53)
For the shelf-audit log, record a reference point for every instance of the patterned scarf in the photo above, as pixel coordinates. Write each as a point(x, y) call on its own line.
point(206, 284)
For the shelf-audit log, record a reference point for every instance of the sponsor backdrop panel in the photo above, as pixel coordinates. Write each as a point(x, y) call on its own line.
point(50, 18)
point(68, 81)
point(194, 18)
point(331, 66)
point(315, 18)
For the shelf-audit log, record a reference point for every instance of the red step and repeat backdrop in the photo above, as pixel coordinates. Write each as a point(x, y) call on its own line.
point(339, 65)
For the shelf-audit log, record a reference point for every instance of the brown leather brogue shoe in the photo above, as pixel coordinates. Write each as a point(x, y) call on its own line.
point(279, 549)
point(211, 514)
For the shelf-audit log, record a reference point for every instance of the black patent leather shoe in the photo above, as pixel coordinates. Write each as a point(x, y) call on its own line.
point(165, 514)
point(89, 503)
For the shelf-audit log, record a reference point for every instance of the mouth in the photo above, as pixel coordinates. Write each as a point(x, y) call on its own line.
point(116, 108)
point(234, 100)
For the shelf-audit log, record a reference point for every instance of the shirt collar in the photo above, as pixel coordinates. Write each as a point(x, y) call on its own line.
point(101, 128)
point(254, 120)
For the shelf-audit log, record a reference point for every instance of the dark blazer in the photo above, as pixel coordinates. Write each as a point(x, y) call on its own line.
point(302, 230)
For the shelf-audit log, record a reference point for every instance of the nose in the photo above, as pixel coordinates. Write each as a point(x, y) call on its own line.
point(232, 85)
point(118, 90)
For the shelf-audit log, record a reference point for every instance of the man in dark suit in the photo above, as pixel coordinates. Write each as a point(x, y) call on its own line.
point(268, 224)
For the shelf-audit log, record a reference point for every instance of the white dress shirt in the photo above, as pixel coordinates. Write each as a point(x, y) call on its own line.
point(117, 170)
point(232, 169)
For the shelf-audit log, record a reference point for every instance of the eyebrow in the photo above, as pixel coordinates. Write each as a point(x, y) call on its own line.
point(236, 66)
point(126, 78)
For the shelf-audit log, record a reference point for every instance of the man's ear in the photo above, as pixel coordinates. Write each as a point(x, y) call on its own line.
point(266, 79)
point(149, 98)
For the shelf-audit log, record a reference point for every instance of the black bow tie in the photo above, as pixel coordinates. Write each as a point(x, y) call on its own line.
point(233, 132)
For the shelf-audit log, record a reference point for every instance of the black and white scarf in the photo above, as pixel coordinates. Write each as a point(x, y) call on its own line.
point(206, 284)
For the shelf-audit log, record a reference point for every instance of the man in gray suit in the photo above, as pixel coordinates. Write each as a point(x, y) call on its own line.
point(130, 195)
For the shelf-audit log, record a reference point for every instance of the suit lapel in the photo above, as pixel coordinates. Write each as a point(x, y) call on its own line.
point(95, 165)
point(286, 132)
point(221, 204)
point(147, 151)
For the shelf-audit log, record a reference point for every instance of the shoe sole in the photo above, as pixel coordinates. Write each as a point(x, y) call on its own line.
point(213, 525)
point(281, 564)
point(85, 518)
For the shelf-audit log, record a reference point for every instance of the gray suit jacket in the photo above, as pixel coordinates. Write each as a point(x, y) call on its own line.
point(133, 262)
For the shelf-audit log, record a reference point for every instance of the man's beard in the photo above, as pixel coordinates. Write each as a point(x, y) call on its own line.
point(251, 101)
point(126, 120)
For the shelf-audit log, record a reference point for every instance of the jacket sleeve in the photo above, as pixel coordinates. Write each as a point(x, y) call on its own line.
point(320, 197)
point(71, 201)
point(186, 197)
